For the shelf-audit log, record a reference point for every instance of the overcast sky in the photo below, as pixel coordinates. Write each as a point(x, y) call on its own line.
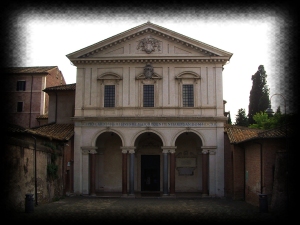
point(252, 38)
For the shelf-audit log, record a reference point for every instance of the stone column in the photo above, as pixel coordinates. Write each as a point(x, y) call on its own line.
point(131, 173)
point(165, 172)
point(124, 171)
point(204, 172)
point(93, 172)
point(172, 172)
point(86, 173)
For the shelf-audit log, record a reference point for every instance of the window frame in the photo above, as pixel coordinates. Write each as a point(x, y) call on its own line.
point(21, 85)
point(109, 100)
point(148, 97)
point(188, 95)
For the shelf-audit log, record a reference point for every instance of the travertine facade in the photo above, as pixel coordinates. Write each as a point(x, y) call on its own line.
point(149, 114)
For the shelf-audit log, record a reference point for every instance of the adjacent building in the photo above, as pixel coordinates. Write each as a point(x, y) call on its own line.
point(26, 104)
point(149, 114)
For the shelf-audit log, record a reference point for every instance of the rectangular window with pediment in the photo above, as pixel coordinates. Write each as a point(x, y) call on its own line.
point(188, 95)
point(148, 96)
point(109, 96)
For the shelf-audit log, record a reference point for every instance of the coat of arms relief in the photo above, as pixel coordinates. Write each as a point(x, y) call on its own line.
point(149, 44)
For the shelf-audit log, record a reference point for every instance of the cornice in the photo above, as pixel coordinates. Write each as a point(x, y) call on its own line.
point(152, 32)
point(148, 118)
point(119, 60)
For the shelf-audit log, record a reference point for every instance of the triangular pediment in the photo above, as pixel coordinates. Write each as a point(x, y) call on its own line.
point(148, 41)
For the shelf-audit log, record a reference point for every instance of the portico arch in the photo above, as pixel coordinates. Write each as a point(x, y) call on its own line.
point(189, 165)
point(108, 130)
point(148, 161)
point(108, 161)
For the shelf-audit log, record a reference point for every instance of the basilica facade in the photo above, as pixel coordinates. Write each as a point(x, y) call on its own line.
point(149, 114)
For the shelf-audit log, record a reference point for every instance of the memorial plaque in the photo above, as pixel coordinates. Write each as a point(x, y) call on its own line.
point(185, 162)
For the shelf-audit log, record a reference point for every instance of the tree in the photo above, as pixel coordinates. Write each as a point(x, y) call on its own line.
point(259, 94)
point(241, 119)
point(264, 121)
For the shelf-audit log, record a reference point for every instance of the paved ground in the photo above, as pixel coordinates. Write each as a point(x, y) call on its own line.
point(146, 209)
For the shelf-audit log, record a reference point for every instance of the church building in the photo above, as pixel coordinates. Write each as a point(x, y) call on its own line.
point(149, 114)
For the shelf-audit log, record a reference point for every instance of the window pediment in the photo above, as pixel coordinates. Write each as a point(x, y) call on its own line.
point(143, 77)
point(148, 73)
point(188, 75)
point(109, 76)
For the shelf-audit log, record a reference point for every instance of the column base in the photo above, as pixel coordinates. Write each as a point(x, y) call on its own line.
point(130, 196)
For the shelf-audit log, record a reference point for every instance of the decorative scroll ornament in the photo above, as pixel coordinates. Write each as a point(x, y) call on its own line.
point(149, 44)
point(148, 71)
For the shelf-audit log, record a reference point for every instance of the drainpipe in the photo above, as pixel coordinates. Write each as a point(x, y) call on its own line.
point(35, 177)
point(261, 167)
point(30, 101)
point(55, 107)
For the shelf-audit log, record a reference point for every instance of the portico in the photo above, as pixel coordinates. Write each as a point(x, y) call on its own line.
point(149, 115)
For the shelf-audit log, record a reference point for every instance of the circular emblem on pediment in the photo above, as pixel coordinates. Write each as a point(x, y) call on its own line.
point(148, 71)
point(149, 44)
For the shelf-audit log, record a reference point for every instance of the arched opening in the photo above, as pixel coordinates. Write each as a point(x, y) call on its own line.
point(149, 162)
point(188, 172)
point(108, 170)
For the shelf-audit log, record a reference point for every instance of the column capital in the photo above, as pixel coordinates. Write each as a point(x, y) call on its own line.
point(168, 149)
point(212, 151)
point(209, 150)
point(129, 149)
point(204, 151)
point(88, 150)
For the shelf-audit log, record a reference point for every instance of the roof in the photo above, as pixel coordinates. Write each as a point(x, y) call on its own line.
point(44, 116)
point(143, 29)
point(12, 128)
point(67, 87)
point(239, 134)
point(61, 132)
point(25, 70)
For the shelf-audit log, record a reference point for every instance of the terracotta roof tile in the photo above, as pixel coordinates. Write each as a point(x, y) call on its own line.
point(278, 132)
point(238, 134)
point(12, 128)
point(54, 131)
point(67, 87)
point(34, 69)
point(62, 132)
point(45, 116)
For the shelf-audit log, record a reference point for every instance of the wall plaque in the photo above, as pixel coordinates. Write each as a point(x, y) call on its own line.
point(185, 162)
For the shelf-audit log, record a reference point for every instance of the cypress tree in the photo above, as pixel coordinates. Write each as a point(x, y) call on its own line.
point(259, 95)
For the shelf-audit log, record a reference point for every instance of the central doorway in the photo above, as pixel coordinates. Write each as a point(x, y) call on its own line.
point(150, 172)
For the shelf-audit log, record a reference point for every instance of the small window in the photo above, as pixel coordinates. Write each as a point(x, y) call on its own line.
point(20, 107)
point(148, 96)
point(188, 95)
point(21, 85)
point(109, 96)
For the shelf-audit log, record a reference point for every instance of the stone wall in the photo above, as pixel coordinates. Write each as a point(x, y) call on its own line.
point(20, 176)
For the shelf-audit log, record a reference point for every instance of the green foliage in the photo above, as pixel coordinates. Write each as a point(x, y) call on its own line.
point(50, 145)
point(52, 171)
point(52, 168)
point(264, 121)
point(241, 119)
